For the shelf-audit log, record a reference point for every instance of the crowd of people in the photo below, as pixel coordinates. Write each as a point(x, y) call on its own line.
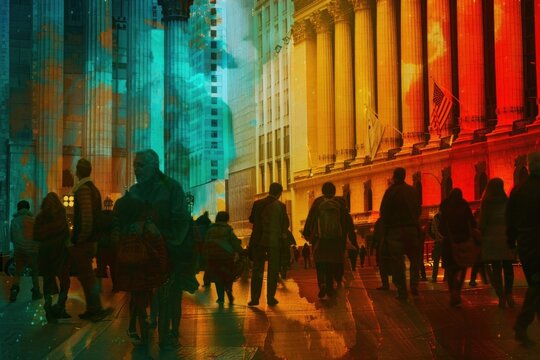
point(153, 248)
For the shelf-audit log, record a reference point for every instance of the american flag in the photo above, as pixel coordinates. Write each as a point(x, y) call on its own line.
point(374, 133)
point(441, 109)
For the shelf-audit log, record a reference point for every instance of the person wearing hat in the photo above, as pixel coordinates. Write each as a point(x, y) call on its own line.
point(523, 230)
point(87, 204)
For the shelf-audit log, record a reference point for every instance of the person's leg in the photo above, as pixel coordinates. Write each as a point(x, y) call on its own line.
point(257, 273)
point(330, 273)
point(273, 274)
point(82, 255)
point(220, 290)
point(176, 312)
point(436, 256)
point(228, 289)
point(164, 322)
point(529, 309)
point(494, 270)
point(474, 271)
point(508, 270)
point(414, 250)
point(132, 325)
point(321, 278)
point(49, 289)
point(20, 265)
point(396, 252)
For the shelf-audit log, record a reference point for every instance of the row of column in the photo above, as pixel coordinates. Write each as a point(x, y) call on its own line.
point(344, 108)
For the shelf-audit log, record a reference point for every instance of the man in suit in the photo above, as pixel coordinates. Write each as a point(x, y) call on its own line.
point(270, 224)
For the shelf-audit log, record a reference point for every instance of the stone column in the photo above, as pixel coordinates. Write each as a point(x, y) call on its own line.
point(177, 69)
point(97, 126)
point(508, 63)
point(439, 57)
point(303, 95)
point(387, 73)
point(343, 72)
point(470, 68)
point(537, 41)
point(325, 89)
point(412, 73)
point(48, 79)
point(138, 80)
point(364, 71)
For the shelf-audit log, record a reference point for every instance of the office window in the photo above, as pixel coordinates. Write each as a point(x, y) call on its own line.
point(213, 44)
point(214, 172)
point(214, 111)
point(213, 134)
point(214, 163)
point(214, 89)
point(213, 123)
point(213, 67)
point(214, 145)
point(214, 100)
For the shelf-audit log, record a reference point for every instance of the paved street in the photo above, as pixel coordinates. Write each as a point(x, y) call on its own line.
point(361, 323)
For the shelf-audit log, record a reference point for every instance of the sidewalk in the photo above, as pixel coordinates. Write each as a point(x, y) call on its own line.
point(361, 323)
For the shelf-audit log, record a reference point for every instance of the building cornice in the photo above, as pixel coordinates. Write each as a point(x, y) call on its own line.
point(303, 9)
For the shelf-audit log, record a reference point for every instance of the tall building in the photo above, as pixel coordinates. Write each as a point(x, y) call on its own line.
point(242, 71)
point(446, 89)
point(79, 79)
point(273, 140)
point(210, 137)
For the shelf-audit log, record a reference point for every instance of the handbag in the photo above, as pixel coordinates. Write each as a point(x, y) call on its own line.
point(133, 250)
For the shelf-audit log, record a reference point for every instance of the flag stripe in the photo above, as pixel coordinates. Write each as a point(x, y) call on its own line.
point(441, 109)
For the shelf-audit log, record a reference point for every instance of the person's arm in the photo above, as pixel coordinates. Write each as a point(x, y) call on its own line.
point(84, 198)
point(180, 216)
point(511, 228)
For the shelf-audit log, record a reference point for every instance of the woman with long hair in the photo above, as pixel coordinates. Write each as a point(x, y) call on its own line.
point(51, 230)
point(495, 250)
point(456, 226)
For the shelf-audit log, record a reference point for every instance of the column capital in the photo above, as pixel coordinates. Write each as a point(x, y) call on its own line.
point(322, 21)
point(302, 30)
point(360, 5)
point(175, 9)
point(338, 11)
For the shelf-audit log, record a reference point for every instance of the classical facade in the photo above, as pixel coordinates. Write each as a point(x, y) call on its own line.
point(360, 62)
point(273, 140)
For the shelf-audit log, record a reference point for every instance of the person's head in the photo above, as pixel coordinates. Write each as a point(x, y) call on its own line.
point(275, 189)
point(399, 175)
point(328, 189)
point(534, 163)
point(145, 165)
point(83, 168)
point(494, 190)
point(51, 203)
point(222, 216)
point(23, 204)
point(455, 194)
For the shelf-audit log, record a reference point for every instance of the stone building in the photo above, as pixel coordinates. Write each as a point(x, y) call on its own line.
point(359, 63)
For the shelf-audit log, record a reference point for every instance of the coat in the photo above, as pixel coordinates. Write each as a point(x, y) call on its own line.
point(221, 244)
point(456, 224)
point(22, 229)
point(492, 226)
point(270, 222)
point(51, 231)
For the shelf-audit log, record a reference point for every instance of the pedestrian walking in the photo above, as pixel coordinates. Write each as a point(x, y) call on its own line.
point(25, 250)
point(87, 209)
point(270, 224)
point(327, 227)
point(437, 238)
point(51, 231)
point(382, 255)
point(496, 253)
point(285, 254)
point(523, 229)
point(141, 261)
point(166, 200)
point(306, 255)
point(223, 250)
point(362, 252)
point(456, 226)
point(400, 213)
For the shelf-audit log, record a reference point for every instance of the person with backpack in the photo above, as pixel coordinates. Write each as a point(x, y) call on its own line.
point(168, 209)
point(86, 211)
point(222, 249)
point(400, 214)
point(327, 228)
point(25, 249)
point(270, 223)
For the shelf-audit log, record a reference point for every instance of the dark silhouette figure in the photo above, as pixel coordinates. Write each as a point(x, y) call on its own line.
point(382, 256)
point(106, 251)
point(362, 252)
point(306, 254)
point(523, 228)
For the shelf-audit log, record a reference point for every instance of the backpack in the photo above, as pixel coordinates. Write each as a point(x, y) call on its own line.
point(329, 219)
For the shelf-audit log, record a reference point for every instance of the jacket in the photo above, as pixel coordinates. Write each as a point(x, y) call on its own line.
point(493, 229)
point(400, 206)
point(270, 222)
point(86, 207)
point(22, 232)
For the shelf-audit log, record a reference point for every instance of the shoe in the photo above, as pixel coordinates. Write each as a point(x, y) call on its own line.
point(60, 312)
point(96, 316)
point(49, 315)
point(521, 336)
point(322, 293)
point(402, 297)
point(502, 302)
point(36, 294)
point(220, 301)
point(414, 292)
point(134, 337)
point(272, 302)
point(253, 303)
point(472, 283)
point(13, 293)
point(384, 287)
point(455, 302)
point(510, 301)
